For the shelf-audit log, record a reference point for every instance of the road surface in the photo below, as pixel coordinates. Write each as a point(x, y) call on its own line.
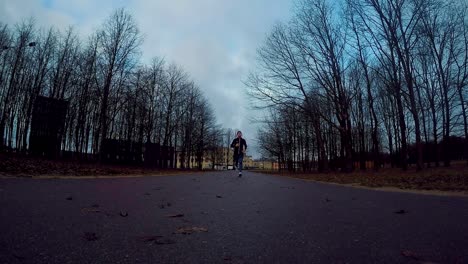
point(218, 217)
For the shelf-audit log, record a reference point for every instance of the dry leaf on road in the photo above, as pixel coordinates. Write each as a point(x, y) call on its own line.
point(123, 214)
point(90, 210)
point(149, 238)
point(190, 230)
point(158, 240)
point(175, 215)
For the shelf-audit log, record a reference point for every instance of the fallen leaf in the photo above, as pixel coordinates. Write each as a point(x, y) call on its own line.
point(69, 198)
point(402, 211)
point(190, 230)
point(219, 196)
point(158, 240)
point(149, 238)
point(90, 210)
point(90, 236)
point(123, 214)
point(175, 215)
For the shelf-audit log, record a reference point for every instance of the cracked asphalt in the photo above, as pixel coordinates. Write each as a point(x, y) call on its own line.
point(218, 217)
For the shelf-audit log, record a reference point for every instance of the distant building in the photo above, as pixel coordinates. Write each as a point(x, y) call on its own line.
point(218, 159)
point(47, 126)
point(265, 164)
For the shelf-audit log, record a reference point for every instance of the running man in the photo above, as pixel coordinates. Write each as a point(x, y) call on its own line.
point(240, 147)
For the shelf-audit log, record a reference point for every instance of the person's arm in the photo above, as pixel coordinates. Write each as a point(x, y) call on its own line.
point(233, 144)
point(245, 144)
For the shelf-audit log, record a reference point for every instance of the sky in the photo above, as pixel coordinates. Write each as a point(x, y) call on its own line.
point(215, 41)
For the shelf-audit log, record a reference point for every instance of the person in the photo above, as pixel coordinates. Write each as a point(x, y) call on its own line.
point(240, 147)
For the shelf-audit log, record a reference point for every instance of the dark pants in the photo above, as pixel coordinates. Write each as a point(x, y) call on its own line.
point(238, 159)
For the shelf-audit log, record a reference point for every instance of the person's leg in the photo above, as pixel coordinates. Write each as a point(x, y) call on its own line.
point(240, 159)
point(235, 160)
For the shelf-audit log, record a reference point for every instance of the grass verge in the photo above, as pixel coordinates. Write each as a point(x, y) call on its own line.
point(454, 178)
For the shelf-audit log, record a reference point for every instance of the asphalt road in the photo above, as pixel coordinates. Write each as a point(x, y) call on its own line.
point(220, 218)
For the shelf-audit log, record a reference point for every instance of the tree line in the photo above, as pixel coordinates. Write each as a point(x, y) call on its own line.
point(111, 93)
point(348, 82)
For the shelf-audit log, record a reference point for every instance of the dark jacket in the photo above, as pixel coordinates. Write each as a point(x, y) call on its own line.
point(243, 144)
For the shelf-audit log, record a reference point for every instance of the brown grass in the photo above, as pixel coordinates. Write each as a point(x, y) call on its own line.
point(21, 166)
point(454, 178)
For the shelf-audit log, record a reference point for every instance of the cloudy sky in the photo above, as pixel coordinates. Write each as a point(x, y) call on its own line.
point(215, 41)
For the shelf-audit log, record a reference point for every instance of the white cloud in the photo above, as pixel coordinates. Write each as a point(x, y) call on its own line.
point(216, 42)
point(12, 12)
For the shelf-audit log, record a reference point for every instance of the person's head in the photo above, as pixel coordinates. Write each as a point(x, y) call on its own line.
point(239, 134)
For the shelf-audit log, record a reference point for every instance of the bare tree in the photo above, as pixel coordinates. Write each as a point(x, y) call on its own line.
point(282, 81)
point(391, 27)
point(43, 56)
point(461, 70)
point(11, 87)
point(119, 40)
point(364, 62)
point(229, 136)
point(439, 25)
